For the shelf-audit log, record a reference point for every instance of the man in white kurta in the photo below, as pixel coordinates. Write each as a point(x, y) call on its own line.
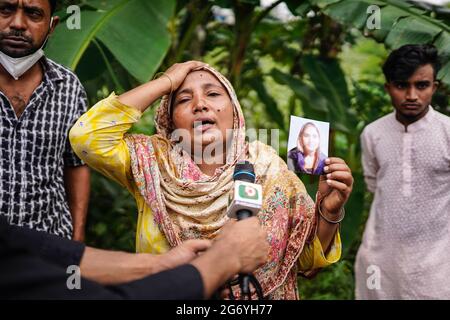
point(405, 251)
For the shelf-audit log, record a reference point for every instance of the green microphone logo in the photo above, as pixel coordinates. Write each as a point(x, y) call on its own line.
point(248, 192)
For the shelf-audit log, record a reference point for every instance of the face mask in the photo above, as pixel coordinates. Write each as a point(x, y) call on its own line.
point(16, 67)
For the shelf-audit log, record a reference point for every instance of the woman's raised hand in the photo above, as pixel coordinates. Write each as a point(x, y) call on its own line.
point(336, 185)
point(178, 72)
point(144, 95)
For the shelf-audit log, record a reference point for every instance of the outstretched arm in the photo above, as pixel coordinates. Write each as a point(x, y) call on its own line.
point(335, 187)
point(114, 267)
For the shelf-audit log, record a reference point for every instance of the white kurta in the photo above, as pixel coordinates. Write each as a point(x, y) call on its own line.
point(405, 251)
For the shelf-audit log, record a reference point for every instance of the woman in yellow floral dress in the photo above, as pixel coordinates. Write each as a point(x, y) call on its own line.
point(182, 193)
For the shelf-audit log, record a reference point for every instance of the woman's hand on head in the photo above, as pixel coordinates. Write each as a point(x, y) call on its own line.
point(335, 185)
point(178, 72)
point(143, 96)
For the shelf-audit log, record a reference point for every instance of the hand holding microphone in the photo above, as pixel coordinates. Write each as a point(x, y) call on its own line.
point(245, 243)
point(245, 202)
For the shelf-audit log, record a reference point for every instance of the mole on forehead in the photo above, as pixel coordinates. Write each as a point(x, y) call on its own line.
point(201, 73)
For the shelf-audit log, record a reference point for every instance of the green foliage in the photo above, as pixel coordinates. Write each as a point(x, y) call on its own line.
point(401, 23)
point(134, 31)
point(336, 282)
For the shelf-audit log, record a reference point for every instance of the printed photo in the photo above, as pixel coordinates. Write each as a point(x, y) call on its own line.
point(307, 145)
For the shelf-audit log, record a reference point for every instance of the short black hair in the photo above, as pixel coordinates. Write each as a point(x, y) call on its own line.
point(52, 6)
point(404, 61)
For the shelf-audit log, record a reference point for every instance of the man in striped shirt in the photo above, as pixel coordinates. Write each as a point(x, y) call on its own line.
point(43, 185)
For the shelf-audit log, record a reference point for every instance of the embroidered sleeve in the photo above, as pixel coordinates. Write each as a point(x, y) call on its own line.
point(98, 139)
point(313, 257)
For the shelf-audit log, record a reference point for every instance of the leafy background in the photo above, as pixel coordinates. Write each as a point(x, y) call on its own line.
point(322, 63)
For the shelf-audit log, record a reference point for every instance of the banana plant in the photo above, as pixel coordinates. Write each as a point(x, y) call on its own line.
point(134, 32)
point(401, 22)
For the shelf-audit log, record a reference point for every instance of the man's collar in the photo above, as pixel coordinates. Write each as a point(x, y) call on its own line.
point(419, 124)
point(51, 73)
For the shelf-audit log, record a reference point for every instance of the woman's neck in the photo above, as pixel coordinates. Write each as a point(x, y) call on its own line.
point(309, 156)
point(208, 165)
point(209, 169)
point(309, 161)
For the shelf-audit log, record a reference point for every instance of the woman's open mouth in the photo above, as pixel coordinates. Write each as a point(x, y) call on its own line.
point(203, 124)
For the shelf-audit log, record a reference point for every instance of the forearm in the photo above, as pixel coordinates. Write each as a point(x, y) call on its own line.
point(326, 232)
point(335, 187)
point(114, 267)
point(144, 95)
point(77, 183)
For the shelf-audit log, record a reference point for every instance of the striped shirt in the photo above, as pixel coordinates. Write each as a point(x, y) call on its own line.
point(34, 149)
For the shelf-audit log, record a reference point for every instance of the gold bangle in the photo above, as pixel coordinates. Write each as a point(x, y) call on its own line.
point(342, 215)
point(159, 74)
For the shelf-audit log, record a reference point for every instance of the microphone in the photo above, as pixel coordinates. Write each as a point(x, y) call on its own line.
point(246, 199)
point(245, 202)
